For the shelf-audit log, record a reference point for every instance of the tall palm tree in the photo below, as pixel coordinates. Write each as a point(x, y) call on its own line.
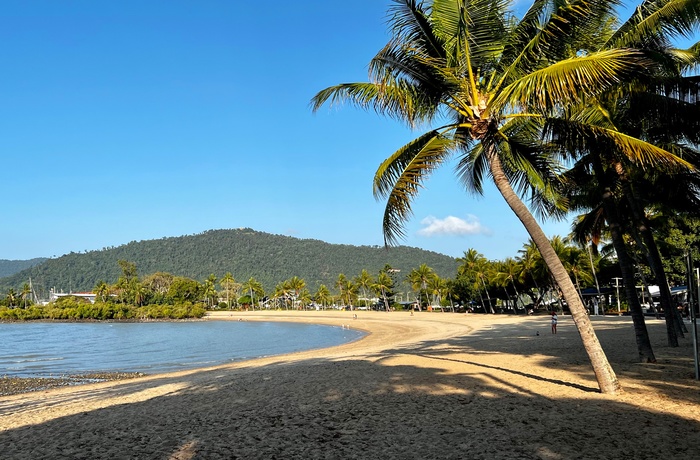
point(209, 291)
point(101, 290)
point(322, 295)
point(419, 278)
point(364, 282)
point(619, 131)
point(296, 285)
point(473, 267)
point(383, 286)
point(228, 284)
point(486, 78)
point(24, 293)
point(437, 287)
point(254, 289)
point(508, 273)
point(346, 288)
point(11, 297)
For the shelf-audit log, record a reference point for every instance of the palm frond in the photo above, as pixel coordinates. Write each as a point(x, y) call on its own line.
point(411, 24)
point(400, 177)
point(550, 31)
point(401, 101)
point(570, 81)
point(655, 20)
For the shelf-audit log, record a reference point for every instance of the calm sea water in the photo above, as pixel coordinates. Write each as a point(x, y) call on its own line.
point(54, 349)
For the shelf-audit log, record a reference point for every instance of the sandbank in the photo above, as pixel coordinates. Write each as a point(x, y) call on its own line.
point(431, 385)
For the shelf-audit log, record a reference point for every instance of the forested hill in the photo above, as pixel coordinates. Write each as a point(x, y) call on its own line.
point(10, 267)
point(244, 252)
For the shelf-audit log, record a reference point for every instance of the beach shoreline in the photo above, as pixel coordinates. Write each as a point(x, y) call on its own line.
point(431, 385)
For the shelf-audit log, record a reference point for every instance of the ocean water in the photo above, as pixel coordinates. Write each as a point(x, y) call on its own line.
point(51, 349)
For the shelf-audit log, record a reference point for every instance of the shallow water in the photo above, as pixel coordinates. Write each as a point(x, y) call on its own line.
point(50, 349)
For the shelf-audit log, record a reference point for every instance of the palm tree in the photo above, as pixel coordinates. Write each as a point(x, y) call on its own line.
point(347, 290)
point(228, 284)
point(24, 293)
point(364, 282)
point(296, 285)
point(209, 292)
point(508, 272)
point(322, 295)
point(101, 290)
point(383, 286)
point(437, 287)
point(490, 78)
point(419, 278)
point(638, 127)
point(254, 289)
point(11, 297)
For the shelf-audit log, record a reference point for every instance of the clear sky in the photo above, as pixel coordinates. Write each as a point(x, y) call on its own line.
point(134, 120)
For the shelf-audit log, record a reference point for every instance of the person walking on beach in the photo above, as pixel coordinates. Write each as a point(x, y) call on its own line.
point(555, 318)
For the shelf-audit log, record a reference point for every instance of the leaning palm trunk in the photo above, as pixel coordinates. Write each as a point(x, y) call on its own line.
point(673, 325)
point(605, 375)
point(646, 354)
point(488, 296)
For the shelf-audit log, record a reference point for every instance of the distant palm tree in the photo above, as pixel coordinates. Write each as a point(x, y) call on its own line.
point(210, 293)
point(11, 297)
point(382, 286)
point(508, 272)
point(364, 282)
point(322, 295)
point(26, 290)
point(101, 290)
point(296, 285)
point(419, 278)
point(254, 289)
point(228, 284)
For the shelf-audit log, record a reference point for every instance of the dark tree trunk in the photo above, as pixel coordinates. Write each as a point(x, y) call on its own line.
point(646, 354)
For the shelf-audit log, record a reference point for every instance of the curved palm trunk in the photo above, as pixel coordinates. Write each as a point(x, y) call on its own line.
point(607, 380)
point(595, 277)
point(646, 354)
point(488, 296)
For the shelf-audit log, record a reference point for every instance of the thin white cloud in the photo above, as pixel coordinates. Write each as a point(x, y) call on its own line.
point(453, 226)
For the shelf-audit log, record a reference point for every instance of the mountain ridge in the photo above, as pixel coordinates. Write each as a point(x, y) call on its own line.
point(244, 252)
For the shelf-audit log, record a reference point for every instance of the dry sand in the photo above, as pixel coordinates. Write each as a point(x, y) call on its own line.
point(428, 386)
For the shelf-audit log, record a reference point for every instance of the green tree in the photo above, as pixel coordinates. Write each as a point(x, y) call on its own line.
point(296, 285)
point(230, 287)
point(184, 289)
point(384, 286)
point(101, 290)
point(11, 297)
point(253, 290)
point(322, 296)
point(419, 279)
point(639, 128)
point(209, 290)
point(490, 78)
point(364, 283)
point(24, 293)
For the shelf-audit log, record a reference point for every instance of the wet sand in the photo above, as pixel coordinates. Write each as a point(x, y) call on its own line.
point(432, 385)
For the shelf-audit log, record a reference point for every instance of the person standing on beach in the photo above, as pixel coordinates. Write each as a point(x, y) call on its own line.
point(555, 318)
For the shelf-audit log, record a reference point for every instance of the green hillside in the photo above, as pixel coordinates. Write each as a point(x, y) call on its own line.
point(243, 252)
point(10, 267)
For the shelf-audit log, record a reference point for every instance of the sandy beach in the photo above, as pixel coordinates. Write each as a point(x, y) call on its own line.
point(427, 386)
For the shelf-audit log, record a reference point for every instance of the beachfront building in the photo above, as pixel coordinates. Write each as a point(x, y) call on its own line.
point(53, 295)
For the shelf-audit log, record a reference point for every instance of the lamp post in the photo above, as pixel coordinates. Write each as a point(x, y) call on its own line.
point(617, 289)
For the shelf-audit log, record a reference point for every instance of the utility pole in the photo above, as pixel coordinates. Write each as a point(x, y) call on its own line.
point(693, 315)
point(617, 289)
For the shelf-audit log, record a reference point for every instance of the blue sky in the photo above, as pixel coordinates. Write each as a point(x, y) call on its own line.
point(134, 120)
